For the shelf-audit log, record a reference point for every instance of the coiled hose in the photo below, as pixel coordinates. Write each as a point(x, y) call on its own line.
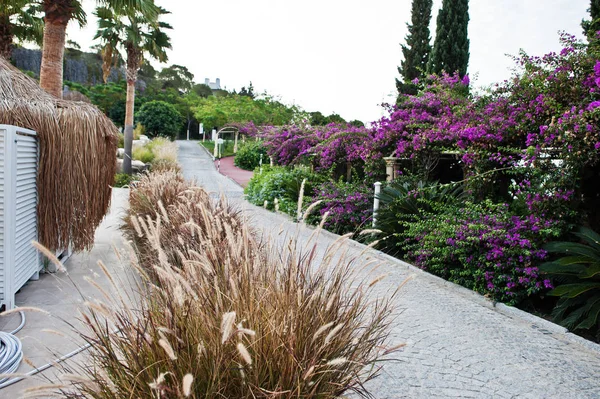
point(11, 354)
point(11, 351)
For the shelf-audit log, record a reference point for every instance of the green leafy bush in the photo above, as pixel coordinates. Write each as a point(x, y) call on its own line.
point(578, 274)
point(123, 179)
point(482, 246)
point(226, 147)
point(248, 155)
point(403, 201)
point(159, 118)
point(283, 184)
point(143, 153)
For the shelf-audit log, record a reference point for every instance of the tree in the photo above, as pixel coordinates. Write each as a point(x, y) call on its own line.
point(177, 77)
point(417, 49)
point(317, 118)
point(356, 123)
point(249, 92)
point(591, 27)
point(57, 14)
point(202, 90)
point(334, 118)
point(218, 111)
point(20, 20)
point(137, 34)
point(159, 118)
point(451, 47)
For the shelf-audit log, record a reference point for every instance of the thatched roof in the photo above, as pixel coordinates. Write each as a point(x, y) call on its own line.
point(77, 158)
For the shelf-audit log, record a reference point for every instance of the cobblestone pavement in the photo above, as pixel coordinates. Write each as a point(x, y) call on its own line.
point(457, 343)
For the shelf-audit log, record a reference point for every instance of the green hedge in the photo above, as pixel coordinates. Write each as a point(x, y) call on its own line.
point(248, 155)
point(283, 184)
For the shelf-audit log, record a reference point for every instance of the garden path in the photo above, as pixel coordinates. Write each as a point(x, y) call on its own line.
point(239, 175)
point(458, 344)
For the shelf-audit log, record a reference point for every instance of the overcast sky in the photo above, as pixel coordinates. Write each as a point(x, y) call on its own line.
point(341, 55)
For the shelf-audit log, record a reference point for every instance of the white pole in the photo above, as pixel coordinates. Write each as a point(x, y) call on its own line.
point(216, 141)
point(376, 202)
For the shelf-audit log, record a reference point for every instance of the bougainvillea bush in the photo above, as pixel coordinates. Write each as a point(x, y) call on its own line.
point(528, 152)
point(349, 206)
point(483, 247)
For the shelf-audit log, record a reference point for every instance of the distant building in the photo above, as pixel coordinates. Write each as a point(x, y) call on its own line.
point(213, 85)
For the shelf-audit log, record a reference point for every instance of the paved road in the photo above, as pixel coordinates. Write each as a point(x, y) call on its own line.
point(458, 343)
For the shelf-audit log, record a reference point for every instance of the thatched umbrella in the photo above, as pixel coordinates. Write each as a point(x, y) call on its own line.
point(77, 145)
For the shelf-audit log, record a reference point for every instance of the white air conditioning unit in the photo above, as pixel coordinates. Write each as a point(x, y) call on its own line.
point(19, 260)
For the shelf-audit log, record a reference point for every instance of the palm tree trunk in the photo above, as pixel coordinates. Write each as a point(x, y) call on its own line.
point(6, 37)
point(53, 49)
point(134, 60)
point(129, 108)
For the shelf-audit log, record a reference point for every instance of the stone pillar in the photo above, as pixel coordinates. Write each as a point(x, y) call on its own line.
point(390, 168)
point(235, 143)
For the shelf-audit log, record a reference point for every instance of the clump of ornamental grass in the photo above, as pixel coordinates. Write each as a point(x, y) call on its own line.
point(152, 188)
point(163, 149)
point(187, 216)
point(235, 318)
point(164, 165)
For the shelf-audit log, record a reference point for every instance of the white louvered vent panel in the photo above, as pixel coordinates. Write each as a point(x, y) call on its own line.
point(19, 261)
point(26, 256)
point(3, 134)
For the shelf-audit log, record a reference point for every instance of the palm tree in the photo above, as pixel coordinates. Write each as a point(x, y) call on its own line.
point(58, 13)
point(20, 20)
point(137, 35)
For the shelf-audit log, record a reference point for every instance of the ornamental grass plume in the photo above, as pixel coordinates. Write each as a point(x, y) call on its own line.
point(224, 315)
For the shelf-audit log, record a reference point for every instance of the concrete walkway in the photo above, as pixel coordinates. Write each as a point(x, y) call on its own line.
point(458, 343)
point(48, 337)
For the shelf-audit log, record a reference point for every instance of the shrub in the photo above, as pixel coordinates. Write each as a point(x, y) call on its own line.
point(238, 320)
point(138, 131)
point(121, 143)
point(163, 149)
point(164, 165)
point(283, 184)
point(482, 247)
point(578, 281)
point(152, 189)
point(404, 200)
point(349, 206)
point(143, 153)
point(123, 179)
point(159, 119)
point(249, 155)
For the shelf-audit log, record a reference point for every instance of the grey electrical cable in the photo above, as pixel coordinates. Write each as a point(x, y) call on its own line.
point(11, 354)
point(11, 351)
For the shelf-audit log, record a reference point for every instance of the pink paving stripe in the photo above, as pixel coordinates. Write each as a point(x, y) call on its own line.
point(227, 168)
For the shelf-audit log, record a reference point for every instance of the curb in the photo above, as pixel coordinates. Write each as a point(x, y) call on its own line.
point(536, 322)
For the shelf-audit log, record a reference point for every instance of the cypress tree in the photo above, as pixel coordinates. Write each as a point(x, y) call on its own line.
point(591, 27)
point(417, 48)
point(451, 47)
